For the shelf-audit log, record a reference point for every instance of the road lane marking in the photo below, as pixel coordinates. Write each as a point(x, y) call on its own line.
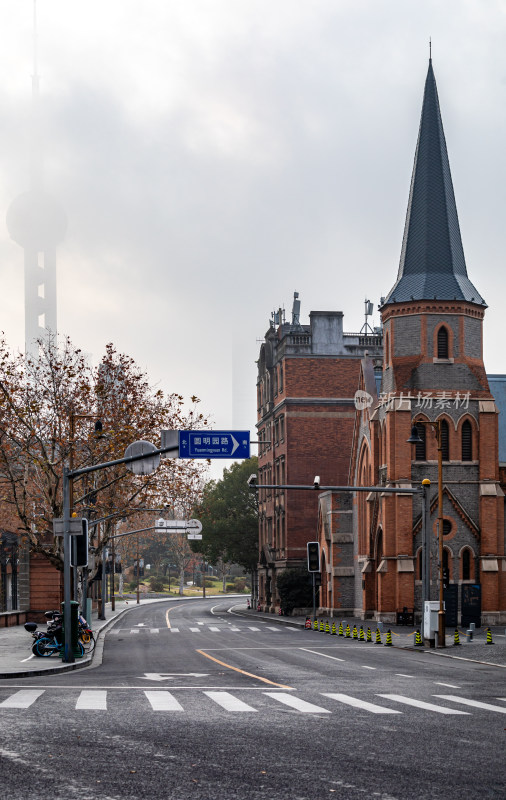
point(154, 630)
point(163, 701)
point(449, 685)
point(473, 703)
point(22, 699)
point(134, 630)
point(253, 629)
point(272, 628)
point(195, 630)
point(92, 700)
point(167, 620)
point(365, 667)
point(325, 655)
point(402, 675)
point(27, 659)
point(229, 702)
point(363, 704)
point(174, 630)
point(297, 703)
point(242, 671)
point(409, 701)
point(214, 629)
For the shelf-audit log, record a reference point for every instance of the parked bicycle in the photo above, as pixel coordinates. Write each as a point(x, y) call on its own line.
point(50, 642)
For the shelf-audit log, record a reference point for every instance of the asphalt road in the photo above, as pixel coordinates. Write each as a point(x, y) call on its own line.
point(192, 700)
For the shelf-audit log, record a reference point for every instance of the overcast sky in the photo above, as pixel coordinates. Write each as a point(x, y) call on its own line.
point(214, 156)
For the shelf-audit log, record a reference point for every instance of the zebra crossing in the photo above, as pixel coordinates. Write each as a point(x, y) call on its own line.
point(253, 702)
point(202, 627)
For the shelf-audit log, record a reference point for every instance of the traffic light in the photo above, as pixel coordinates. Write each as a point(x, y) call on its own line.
point(79, 547)
point(313, 556)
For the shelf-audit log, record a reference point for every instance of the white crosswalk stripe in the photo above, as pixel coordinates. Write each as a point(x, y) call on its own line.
point(474, 703)
point(229, 702)
point(214, 630)
point(297, 703)
point(254, 629)
point(409, 701)
point(22, 699)
point(363, 704)
point(163, 701)
point(195, 630)
point(92, 700)
point(154, 630)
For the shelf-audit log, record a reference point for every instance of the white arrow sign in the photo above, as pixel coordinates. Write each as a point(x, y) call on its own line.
point(169, 676)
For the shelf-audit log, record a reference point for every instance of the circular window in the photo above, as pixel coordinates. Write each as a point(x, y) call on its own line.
point(447, 527)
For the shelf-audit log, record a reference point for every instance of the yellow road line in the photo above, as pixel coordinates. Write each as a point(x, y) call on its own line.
point(249, 674)
point(167, 615)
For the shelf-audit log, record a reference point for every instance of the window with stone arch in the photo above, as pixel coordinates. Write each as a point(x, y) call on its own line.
point(387, 348)
point(447, 563)
point(467, 564)
point(421, 447)
point(362, 502)
point(445, 440)
point(443, 342)
point(467, 441)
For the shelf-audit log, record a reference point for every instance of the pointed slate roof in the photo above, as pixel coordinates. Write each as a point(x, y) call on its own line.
point(432, 264)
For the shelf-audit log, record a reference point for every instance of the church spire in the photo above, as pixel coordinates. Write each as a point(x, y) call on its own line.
point(432, 264)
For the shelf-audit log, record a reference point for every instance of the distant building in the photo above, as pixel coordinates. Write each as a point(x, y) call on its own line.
point(307, 377)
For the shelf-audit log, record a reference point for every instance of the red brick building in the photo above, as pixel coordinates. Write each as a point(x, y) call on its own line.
point(307, 377)
point(433, 372)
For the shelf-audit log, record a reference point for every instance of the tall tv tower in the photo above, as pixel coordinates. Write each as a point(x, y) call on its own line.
point(37, 223)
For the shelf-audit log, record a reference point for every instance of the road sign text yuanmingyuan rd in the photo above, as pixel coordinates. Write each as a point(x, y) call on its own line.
point(214, 444)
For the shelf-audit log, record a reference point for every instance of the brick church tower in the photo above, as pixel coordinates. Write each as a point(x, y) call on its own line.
point(432, 370)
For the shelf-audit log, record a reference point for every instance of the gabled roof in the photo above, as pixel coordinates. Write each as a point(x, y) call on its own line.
point(432, 264)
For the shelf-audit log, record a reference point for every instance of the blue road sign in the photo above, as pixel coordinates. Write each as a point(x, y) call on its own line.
point(214, 444)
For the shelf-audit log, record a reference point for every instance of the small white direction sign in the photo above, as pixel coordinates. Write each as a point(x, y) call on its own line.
point(169, 676)
point(194, 536)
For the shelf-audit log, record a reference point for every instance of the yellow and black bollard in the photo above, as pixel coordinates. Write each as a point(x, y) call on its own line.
point(334, 630)
point(378, 636)
point(355, 633)
point(327, 626)
point(361, 636)
point(489, 637)
point(347, 634)
point(456, 638)
point(418, 639)
point(322, 626)
point(368, 637)
point(388, 642)
point(341, 632)
point(315, 625)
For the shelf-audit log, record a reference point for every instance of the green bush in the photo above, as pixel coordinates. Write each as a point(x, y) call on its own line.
point(295, 589)
point(156, 584)
point(240, 584)
point(210, 584)
point(132, 586)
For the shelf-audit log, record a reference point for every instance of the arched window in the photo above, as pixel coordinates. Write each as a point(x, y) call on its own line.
point(466, 565)
point(445, 440)
point(446, 567)
point(467, 441)
point(421, 447)
point(387, 349)
point(447, 527)
point(442, 342)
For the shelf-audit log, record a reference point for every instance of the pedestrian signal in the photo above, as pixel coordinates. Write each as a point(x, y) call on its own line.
point(313, 556)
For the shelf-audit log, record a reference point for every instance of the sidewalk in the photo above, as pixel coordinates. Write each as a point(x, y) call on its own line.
point(404, 637)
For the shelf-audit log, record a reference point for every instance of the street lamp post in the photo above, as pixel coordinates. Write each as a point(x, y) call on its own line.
point(415, 439)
